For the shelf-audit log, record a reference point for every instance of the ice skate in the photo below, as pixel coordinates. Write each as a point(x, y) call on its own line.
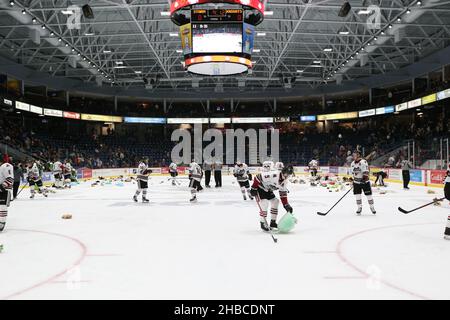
point(358, 212)
point(273, 224)
point(264, 226)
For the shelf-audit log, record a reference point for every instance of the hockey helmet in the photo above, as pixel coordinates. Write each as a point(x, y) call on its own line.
point(287, 171)
point(279, 166)
point(268, 165)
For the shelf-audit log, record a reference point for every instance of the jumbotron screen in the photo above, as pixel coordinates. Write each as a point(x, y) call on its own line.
point(217, 30)
point(217, 37)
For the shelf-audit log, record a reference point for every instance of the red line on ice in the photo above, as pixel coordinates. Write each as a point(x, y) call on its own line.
point(59, 274)
point(365, 274)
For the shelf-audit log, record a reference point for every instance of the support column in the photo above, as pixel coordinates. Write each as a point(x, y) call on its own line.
point(67, 99)
point(115, 104)
point(323, 102)
point(165, 105)
point(275, 105)
point(22, 87)
point(232, 105)
point(207, 106)
point(370, 96)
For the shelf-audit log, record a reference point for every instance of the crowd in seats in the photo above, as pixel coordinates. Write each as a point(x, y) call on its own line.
point(374, 136)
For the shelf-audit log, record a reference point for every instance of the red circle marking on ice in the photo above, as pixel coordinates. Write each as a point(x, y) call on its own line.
point(365, 274)
point(59, 274)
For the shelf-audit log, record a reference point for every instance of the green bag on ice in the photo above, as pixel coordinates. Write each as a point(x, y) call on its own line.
point(287, 223)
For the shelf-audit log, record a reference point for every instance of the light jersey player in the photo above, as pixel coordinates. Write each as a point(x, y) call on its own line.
point(447, 196)
point(263, 189)
point(243, 177)
point(142, 181)
point(6, 184)
point(279, 166)
point(67, 174)
point(35, 180)
point(360, 171)
point(313, 167)
point(195, 179)
point(173, 171)
point(57, 173)
point(267, 166)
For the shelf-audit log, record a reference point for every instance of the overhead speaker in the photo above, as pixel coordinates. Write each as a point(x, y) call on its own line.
point(87, 12)
point(345, 9)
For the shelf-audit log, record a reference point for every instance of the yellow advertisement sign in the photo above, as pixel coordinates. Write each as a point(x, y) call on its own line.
point(186, 38)
point(338, 116)
point(429, 99)
point(98, 117)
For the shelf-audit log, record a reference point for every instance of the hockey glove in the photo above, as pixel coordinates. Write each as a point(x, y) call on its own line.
point(288, 208)
point(253, 192)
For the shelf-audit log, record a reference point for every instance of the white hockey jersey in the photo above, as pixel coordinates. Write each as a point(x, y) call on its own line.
point(195, 171)
point(57, 167)
point(173, 167)
point(241, 172)
point(142, 171)
point(67, 168)
point(6, 176)
point(313, 164)
point(271, 181)
point(447, 178)
point(359, 169)
point(34, 173)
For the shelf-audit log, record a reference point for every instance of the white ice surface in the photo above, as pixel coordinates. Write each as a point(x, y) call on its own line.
point(114, 248)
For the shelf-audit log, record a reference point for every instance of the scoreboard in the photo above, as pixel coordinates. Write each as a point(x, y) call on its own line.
point(217, 15)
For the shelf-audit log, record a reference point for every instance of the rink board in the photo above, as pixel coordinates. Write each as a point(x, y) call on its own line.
point(419, 177)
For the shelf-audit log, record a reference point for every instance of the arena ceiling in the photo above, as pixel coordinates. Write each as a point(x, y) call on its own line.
point(129, 42)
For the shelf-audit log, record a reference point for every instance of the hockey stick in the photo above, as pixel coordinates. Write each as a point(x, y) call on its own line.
point(324, 214)
point(426, 205)
point(21, 190)
point(270, 229)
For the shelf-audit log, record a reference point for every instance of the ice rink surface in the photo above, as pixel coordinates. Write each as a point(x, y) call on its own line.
point(114, 248)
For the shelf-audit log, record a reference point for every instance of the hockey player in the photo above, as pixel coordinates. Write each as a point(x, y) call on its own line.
point(360, 171)
point(267, 166)
point(6, 184)
point(142, 180)
point(57, 173)
point(447, 196)
point(313, 167)
point(381, 175)
point(243, 176)
point(67, 174)
point(35, 180)
point(173, 170)
point(195, 179)
point(263, 187)
point(279, 166)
